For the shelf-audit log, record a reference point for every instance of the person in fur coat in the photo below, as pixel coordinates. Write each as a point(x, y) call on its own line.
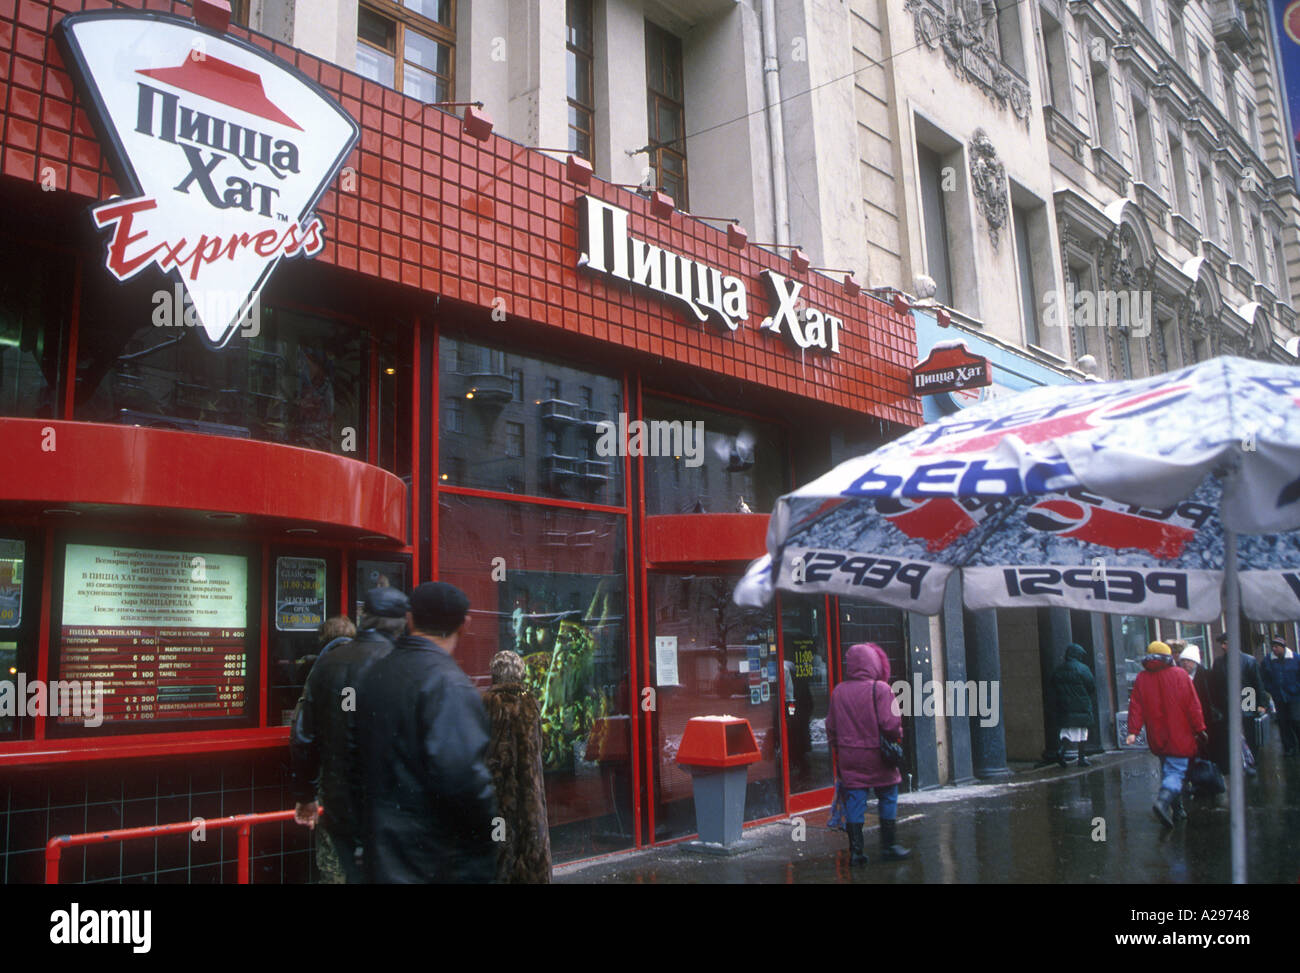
point(515, 759)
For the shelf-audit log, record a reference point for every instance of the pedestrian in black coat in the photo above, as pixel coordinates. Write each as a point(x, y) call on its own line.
point(429, 802)
point(1254, 699)
point(324, 741)
point(1073, 688)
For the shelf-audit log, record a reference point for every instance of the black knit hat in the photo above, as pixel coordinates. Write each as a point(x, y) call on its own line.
point(386, 603)
point(438, 607)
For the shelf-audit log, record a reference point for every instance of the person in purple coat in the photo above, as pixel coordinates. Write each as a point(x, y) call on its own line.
point(861, 712)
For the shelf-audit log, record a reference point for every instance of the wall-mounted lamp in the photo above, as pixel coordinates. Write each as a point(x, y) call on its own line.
point(661, 204)
point(850, 283)
point(798, 259)
point(212, 14)
point(737, 237)
point(576, 169)
point(477, 124)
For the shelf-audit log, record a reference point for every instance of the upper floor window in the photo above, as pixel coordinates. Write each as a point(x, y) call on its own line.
point(408, 46)
point(580, 60)
point(667, 111)
point(1178, 33)
point(1103, 104)
point(934, 211)
point(239, 12)
point(1058, 63)
point(1178, 173)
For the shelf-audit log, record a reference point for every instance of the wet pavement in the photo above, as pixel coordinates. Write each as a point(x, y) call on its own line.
point(1081, 825)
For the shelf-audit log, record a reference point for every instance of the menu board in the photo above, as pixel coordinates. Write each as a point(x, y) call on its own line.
point(299, 594)
point(165, 632)
point(11, 583)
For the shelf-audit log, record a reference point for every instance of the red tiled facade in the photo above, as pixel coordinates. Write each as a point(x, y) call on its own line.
point(476, 222)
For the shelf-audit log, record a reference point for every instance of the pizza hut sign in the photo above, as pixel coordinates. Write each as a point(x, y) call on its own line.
point(950, 367)
point(222, 152)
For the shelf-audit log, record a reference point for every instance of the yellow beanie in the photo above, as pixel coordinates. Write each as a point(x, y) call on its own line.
point(1159, 648)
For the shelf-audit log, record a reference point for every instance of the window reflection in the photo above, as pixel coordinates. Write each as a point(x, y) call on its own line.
point(33, 311)
point(740, 461)
point(517, 424)
point(303, 380)
point(562, 605)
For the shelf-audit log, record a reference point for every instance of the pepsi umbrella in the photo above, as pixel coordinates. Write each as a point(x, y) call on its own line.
point(1175, 496)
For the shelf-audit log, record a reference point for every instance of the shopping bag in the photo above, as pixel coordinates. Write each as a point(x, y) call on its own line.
point(1205, 778)
point(836, 821)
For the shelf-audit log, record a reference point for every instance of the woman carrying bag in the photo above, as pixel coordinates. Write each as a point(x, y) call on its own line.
point(864, 733)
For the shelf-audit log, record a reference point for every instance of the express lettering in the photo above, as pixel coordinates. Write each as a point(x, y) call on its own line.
point(1113, 584)
point(973, 478)
point(864, 570)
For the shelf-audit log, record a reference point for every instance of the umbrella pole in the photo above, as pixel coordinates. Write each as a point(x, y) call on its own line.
point(1236, 781)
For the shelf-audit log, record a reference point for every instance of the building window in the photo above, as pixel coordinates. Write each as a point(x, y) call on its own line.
point(1178, 170)
point(1178, 33)
point(1280, 276)
point(1234, 226)
point(239, 12)
point(408, 46)
point(1013, 52)
point(1103, 104)
point(1207, 79)
point(517, 385)
point(515, 439)
point(1058, 63)
point(1025, 266)
point(580, 61)
point(455, 413)
point(667, 111)
point(1230, 101)
point(552, 388)
point(1146, 149)
point(1261, 263)
point(1252, 124)
point(1209, 208)
point(934, 212)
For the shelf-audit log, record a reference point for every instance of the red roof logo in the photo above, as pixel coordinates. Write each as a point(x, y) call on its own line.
point(211, 77)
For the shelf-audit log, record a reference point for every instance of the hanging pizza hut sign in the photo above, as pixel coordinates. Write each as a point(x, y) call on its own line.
point(222, 152)
point(950, 367)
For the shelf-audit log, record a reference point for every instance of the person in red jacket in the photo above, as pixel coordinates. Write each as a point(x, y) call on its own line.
point(1164, 701)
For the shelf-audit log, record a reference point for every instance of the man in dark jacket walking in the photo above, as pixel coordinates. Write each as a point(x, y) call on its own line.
point(424, 736)
point(323, 740)
point(1253, 699)
point(1073, 687)
point(1281, 676)
point(1164, 701)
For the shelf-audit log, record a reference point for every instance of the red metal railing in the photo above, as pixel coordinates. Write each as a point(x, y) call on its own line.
point(243, 823)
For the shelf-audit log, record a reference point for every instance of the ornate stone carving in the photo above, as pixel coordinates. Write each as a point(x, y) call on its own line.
point(966, 31)
point(988, 178)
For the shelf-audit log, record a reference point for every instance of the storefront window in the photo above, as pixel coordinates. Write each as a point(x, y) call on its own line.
point(304, 593)
point(807, 691)
point(550, 584)
point(299, 380)
point(33, 319)
point(699, 460)
point(516, 424)
point(378, 574)
point(12, 574)
point(725, 664)
point(1135, 633)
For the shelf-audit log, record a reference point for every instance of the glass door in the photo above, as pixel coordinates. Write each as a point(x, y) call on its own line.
point(806, 694)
